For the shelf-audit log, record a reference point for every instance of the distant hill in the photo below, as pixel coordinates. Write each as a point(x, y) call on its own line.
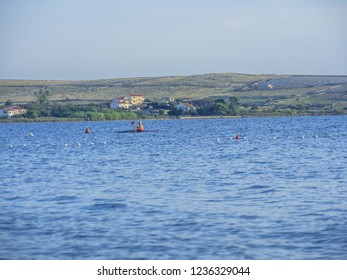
point(270, 92)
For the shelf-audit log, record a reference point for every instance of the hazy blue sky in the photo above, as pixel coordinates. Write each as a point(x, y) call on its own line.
point(84, 39)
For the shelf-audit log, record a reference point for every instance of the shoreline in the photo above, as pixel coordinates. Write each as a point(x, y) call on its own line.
point(42, 120)
point(209, 117)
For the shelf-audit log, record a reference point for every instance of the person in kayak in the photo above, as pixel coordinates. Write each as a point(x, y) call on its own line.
point(140, 127)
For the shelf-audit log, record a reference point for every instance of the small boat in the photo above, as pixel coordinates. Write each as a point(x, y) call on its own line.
point(136, 131)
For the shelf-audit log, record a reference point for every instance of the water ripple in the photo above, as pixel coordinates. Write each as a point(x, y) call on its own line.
point(178, 193)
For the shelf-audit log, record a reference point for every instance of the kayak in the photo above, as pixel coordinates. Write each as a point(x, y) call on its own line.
point(135, 131)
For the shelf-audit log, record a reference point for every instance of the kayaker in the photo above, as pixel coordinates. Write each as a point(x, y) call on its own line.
point(140, 127)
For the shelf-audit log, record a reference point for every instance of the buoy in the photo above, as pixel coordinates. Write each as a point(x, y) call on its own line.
point(88, 130)
point(31, 134)
point(237, 137)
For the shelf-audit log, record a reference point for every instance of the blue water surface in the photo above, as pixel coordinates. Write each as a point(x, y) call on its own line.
point(182, 191)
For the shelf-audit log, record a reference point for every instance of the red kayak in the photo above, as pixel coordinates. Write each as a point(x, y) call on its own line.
point(135, 131)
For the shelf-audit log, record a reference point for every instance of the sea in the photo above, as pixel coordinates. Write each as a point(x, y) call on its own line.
point(183, 190)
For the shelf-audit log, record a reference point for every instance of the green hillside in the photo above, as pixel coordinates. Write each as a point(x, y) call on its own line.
point(259, 93)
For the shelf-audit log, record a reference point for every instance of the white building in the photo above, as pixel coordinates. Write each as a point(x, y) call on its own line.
point(121, 102)
point(185, 107)
point(9, 112)
point(168, 99)
point(126, 102)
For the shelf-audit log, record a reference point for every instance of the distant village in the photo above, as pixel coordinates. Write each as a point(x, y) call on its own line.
point(135, 103)
point(148, 107)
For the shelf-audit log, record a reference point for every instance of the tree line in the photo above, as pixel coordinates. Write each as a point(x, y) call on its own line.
point(212, 106)
point(42, 107)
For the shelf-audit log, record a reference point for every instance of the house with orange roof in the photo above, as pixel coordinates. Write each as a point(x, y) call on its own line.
point(126, 102)
point(136, 99)
point(121, 102)
point(9, 112)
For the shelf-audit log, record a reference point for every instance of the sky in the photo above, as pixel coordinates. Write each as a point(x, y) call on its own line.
point(101, 39)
